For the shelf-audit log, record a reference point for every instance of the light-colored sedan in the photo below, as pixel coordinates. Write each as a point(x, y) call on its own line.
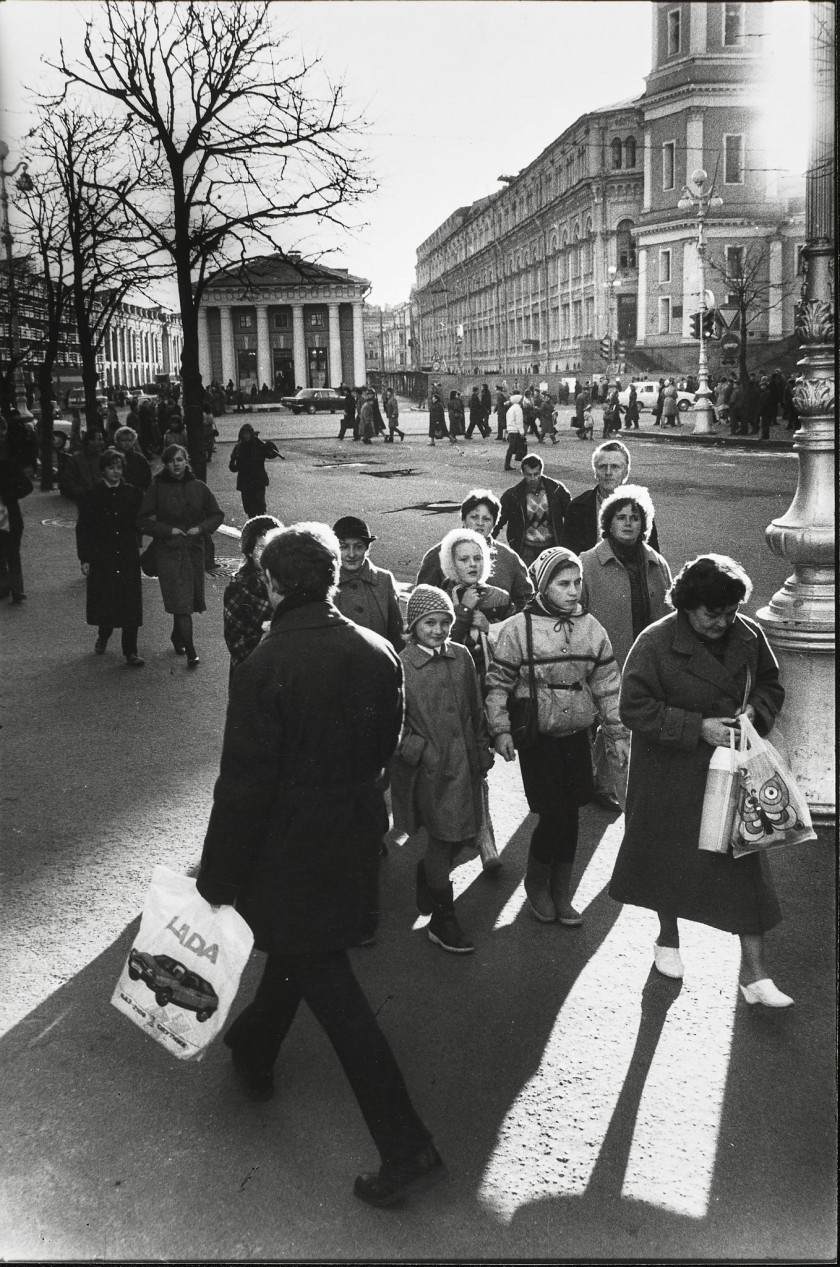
point(646, 396)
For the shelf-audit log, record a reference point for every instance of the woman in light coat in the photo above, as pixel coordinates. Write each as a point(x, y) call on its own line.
point(178, 510)
point(465, 563)
point(624, 580)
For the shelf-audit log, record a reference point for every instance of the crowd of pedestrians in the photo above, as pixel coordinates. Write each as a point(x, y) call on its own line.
point(571, 648)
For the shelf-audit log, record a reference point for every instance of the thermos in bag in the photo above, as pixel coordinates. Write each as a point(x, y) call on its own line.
point(720, 800)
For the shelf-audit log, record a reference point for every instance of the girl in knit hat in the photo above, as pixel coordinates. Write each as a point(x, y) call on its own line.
point(443, 755)
point(576, 681)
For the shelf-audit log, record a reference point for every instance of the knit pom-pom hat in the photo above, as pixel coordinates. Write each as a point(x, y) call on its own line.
point(546, 566)
point(426, 600)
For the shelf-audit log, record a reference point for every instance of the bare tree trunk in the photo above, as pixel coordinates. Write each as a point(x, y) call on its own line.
point(44, 375)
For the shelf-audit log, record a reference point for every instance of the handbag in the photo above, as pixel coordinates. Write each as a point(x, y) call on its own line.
point(148, 559)
point(524, 718)
point(183, 970)
point(771, 809)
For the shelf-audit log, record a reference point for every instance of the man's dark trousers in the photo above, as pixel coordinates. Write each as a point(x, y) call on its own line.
point(327, 984)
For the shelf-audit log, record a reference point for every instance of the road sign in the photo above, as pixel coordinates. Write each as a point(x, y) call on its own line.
point(606, 347)
point(730, 343)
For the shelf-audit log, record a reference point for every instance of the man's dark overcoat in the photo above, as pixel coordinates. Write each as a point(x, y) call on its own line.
point(670, 683)
point(314, 716)
point(107, 539)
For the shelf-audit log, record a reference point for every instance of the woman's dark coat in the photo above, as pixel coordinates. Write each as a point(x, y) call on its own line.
point(314, 715)
point(437, 420)
point(670, 683)
point(107, 539)
point(14, 484)
point(248, 459)
point(179, 503)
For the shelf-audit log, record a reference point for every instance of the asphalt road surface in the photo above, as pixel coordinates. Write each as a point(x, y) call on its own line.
point(587, 1108)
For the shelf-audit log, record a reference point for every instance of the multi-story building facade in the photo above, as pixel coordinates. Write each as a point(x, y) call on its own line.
point(284, 322)
point(140, 345)
point(587, 242)
point(388, 336)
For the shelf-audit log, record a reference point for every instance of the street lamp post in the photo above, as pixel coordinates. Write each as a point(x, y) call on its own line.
point(800, 618)
point(24, 182)
point(696, 196)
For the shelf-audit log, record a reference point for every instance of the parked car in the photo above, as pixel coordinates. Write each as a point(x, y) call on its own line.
point(646, 396)
point(171, 982)
point(314, 400)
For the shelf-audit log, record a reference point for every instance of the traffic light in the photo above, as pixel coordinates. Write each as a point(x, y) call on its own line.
point(710, 325)
point(695, 325)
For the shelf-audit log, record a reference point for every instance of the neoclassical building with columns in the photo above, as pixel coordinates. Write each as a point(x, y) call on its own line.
point(283, 322)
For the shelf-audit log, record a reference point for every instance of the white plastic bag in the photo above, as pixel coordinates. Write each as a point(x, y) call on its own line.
point(183, 971)
point(772, 810)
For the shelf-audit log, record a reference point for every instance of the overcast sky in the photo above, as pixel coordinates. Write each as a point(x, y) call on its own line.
point(455, 92)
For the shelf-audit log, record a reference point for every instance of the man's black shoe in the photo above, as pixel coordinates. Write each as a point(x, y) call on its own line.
point(396, 1180)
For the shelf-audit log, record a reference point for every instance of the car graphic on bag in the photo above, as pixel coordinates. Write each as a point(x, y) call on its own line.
point(171, 982)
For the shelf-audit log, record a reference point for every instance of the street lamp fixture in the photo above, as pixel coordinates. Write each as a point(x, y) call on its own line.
point(700, 199)
point(24, 184)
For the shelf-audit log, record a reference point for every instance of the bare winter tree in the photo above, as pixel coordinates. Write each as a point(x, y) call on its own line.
point(241, 140)
point(44, 215)
point(746, 280)
point(106, 254)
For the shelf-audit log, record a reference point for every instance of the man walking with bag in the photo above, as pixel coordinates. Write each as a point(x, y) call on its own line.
point(314, 716)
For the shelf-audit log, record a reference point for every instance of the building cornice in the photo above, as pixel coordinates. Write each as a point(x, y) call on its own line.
point(279, 296)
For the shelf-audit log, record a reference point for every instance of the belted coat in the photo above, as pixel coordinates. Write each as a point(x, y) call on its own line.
point(671, 682)
point(444, 749)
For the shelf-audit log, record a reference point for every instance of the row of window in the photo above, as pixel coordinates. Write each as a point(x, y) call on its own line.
point(732, 27)
point(733, 161)
point(282, 320)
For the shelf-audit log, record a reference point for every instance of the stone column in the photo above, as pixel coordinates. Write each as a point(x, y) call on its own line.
point(359, 371)
point(799, 620)
point(299, 347)
point(265, 368)
point(648, 165)
point(205, 361)
point(694, 125)
point(774, 297)
point(228, 352)
point(118, 361)
point(335, 347)
point(641, 302)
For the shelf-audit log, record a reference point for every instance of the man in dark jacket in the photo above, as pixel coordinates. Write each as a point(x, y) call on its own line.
point(533, 511)
point(501, 409)
point(82, 470)
point(314, 716)
point(581, 529)
point(136, 469)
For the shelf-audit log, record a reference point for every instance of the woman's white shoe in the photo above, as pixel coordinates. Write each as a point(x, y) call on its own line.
point(667, 960)
point(764, 991)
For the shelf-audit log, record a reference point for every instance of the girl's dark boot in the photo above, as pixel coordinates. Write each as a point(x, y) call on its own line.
point(443, 928)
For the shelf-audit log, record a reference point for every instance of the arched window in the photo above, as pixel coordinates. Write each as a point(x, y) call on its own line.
point(552, 246)
point(616, 152)
point(625, 245)
point(630, 152)
point(576, 251)
point(564, 258)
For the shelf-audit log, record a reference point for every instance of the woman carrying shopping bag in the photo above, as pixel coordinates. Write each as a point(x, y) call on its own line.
point(685, 682)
